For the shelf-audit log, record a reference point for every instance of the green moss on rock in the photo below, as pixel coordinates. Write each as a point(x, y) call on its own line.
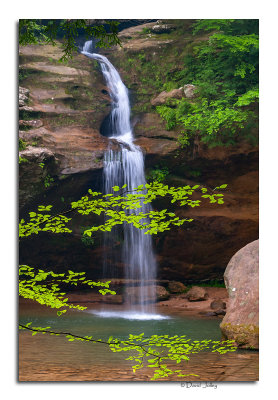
point(244, 335)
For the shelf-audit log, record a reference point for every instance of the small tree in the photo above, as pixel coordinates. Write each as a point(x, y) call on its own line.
point(155, 351)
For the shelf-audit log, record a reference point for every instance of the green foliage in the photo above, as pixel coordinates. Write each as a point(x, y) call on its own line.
point(22, 74)
point(247, 98)
point(170, 85)
point(146, 30)
point(212, 283)
point(158, 173)
point(22, 160)
point(194, 173)
point(21, 144)
point(149, 74)
point(214, 118)
point(228, 26)
point(34, 31)
point(116, 207)
point(85, 239)
point(43, 287)
point(224, 69)
point(48, 180)
point(153, 352)
point(49, 101)
point(169, 115)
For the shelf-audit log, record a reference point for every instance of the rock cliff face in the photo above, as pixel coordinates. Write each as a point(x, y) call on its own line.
point(60, 109)
point(61, 115)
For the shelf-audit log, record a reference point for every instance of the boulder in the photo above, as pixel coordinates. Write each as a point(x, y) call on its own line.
point(176, 287)
point(217, 305)
point(220, 312)
point(164, 96)
point(241, 322)
point(189, 91)
point(197, 293)
point(162, 293)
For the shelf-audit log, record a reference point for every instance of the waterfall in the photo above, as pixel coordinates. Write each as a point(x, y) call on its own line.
point(126, 166)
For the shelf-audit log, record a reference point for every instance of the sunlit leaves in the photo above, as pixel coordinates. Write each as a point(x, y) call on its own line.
point(247, 98)
point(43, 222)
point(44, 287)
point(237, 44)
point(118, 208)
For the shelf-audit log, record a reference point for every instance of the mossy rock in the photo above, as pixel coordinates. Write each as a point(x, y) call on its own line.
point(245, 336)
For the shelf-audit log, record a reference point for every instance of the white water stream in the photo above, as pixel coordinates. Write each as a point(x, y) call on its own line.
point(127, 167)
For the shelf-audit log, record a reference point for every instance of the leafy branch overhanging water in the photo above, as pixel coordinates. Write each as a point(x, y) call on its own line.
point(157, 352)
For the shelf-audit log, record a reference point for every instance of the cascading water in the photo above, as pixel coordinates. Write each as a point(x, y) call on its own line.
point(127, 167)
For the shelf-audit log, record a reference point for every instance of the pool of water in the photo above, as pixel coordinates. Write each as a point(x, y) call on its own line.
point(53, 358)
point(116, 321)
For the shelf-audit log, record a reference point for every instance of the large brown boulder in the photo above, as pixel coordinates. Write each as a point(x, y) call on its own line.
point(241, 322)
point(197, 293)
point(164, 96)
point(161, 293)
point(176, 287)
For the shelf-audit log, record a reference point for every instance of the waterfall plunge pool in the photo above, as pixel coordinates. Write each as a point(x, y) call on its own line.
point(53, 358)
point(102, 321)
